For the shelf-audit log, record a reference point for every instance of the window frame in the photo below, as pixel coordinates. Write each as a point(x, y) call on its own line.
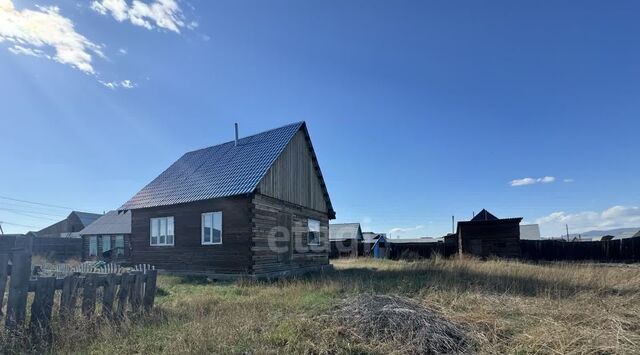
point(309, 232)
point(166, 231)
point(93, 239)
point(119, 250)
point(103, 239)
point(202, 220)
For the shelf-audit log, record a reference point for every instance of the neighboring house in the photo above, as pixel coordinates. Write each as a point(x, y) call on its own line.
point(530, 232)
point(368, 242)
point(486, 235)
point(70, 226)
point(344, 238)
point(108, 238)
point(256, 206)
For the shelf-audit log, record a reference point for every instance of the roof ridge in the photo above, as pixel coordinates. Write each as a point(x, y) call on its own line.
point(299, 123)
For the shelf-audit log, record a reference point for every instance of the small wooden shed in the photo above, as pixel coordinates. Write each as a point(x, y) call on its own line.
point(485, 235)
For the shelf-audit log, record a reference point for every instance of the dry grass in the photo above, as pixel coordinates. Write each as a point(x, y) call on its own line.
point(513, 307)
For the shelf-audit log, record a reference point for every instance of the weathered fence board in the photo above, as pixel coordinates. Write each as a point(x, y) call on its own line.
point(123, 293)
point(136, 289)
point(89, 295)
point(109, 295)
point(18, 289)
point(150, 290)
point(42, 306)
point(4, 274)
point(51, 247)
point(619, 250)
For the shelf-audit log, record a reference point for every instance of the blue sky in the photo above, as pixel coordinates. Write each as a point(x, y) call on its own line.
point(418, 110)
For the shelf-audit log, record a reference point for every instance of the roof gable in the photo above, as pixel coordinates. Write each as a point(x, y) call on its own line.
point(484, 215)
point(114, 222)
point(219, 171)
point(86, 218)
point(343, 231)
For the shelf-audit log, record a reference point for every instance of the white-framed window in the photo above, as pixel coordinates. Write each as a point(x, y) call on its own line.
point(106, 243)
point(119, 245)
point(313, 235)
point(212, 228)
point(93, 246)
point(162, 231)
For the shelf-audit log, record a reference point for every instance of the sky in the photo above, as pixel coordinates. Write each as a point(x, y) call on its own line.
point(418, 110)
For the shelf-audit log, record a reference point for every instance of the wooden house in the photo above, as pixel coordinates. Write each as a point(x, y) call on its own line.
point(256, 206)
point(70, 226)
point(344, 239)
point(108, 238)
point(486, 235)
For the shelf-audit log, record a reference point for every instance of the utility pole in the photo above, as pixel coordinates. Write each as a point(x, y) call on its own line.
point(568, 238)
point(1, 231)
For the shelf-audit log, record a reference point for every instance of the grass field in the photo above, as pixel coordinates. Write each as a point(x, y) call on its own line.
point(512, 308)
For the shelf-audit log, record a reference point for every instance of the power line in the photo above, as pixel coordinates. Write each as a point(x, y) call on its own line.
point(31, 211)
point(18, 225)
point(35, 203)
point(27, 214)
point(34, 208)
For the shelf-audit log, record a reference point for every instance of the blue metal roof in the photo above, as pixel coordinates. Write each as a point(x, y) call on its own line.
point(220, 171)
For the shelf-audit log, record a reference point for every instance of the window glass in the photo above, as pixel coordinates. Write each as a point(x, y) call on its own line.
point(162, 231)
point(93, 246)
point(119, 244)
point(313, 236)
point(217, 227)
point(206, 228)
point(106, 243)
point(212, 228)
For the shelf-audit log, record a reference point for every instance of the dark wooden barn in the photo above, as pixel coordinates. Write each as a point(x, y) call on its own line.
point(108, 238)
point(70, 226)
point(257, 206)
point(486, 235)
point(344, 239)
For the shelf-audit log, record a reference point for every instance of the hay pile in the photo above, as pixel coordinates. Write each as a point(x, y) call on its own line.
point(411, 328)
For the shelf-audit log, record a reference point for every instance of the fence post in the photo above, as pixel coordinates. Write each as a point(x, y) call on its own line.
point(89, 295)
point(123, 292)
point(42, 305)
point(150, 289)
point(69, 295)
point(136, 292)
point(4, 273)
point(18, 288)
point(108, 295)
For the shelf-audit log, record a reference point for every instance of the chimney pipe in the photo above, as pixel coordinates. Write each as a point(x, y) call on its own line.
point(236, 142)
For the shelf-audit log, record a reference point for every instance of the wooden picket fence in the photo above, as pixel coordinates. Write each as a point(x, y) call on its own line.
point(90, 268)
point(121, 292)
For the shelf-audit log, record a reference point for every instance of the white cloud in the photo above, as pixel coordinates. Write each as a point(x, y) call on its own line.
point(547, 179)
point(34, 31)
point(125, 84)
point(522, 182)
point(164, 14)
point(614, 217)
point(399, 230)
point(122, 51)
point(568, 180)
point(532, 181)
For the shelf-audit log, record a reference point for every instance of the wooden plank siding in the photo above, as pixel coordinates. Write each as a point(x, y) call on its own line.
point(294, 177)
point(269, 214)
point(233, 256)
point(499, 238)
